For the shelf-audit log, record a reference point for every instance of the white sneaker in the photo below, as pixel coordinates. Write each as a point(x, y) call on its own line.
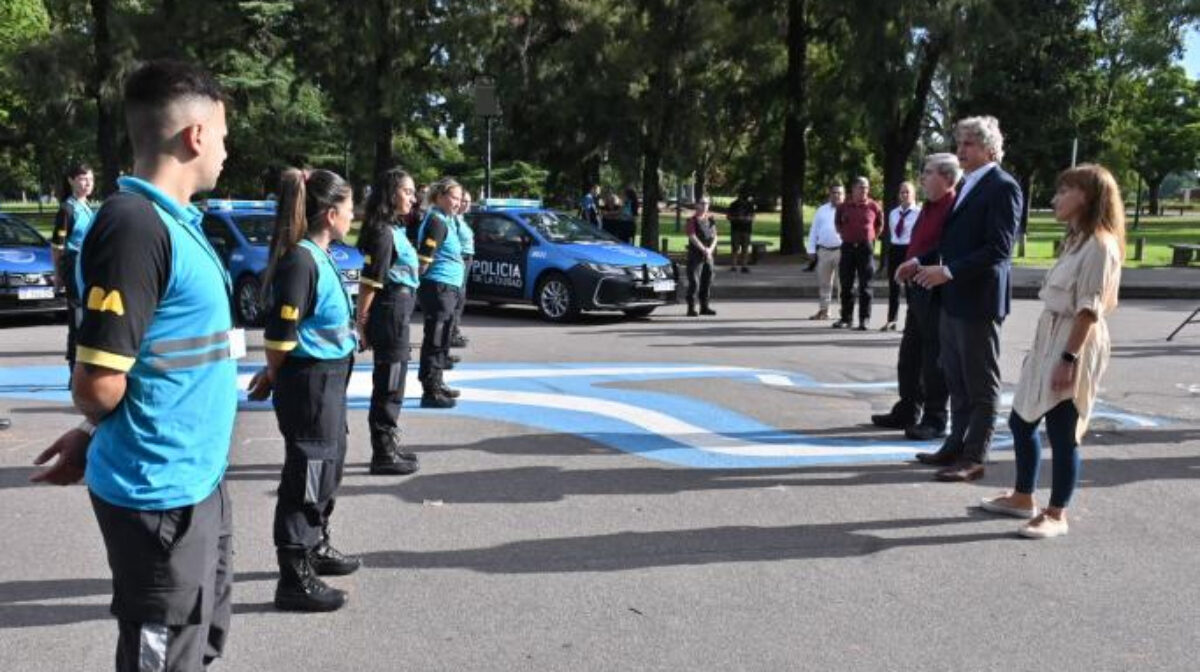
point(1002, 507)
point(1043, 527)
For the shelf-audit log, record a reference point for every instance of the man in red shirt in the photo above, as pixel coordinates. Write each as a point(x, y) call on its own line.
point(859, 222)
point(922, 409)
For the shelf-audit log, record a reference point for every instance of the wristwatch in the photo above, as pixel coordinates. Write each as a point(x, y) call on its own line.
point(1069, 357)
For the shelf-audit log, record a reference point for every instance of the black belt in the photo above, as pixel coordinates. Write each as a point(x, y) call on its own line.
point(822, 247)
point(400, 289)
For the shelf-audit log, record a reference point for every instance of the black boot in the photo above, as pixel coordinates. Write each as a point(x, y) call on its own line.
point(433, 397)
point(705, 310)
point(328, 561)
point(386, 457)
point(446, 389)
point(299, 589)
point(692, 310)
point(458, 340)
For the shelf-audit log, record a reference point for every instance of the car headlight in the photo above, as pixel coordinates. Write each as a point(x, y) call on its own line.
point(604, 269)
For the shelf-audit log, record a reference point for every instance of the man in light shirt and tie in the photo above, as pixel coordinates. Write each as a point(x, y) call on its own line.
point(901, 220)
point(826, 245)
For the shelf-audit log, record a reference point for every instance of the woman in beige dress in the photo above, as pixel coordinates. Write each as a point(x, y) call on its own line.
point(1070, 350)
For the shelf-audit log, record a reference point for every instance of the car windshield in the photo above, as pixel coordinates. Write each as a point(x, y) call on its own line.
point(16, 233)
point(256, 228)
point(563, 229)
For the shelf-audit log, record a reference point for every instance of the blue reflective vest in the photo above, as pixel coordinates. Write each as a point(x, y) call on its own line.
point(466, 235)
point(166, 445)
point(447, 265)
point(404, 268)
point(326, 333)
point(83, 216)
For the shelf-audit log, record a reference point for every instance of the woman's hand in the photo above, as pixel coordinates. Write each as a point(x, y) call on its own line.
point(71, 451)
point(260, 385)
point(1063, 377)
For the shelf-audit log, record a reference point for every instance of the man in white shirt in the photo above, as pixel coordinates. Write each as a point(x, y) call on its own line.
point(826, 246)
point(901, 220)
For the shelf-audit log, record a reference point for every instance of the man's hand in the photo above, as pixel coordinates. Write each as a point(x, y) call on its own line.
point(932, 276)
point(906, 271)
point(71, 450)
point(260, 386)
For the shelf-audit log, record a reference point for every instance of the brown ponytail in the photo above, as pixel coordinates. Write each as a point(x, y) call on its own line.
point(290, 222)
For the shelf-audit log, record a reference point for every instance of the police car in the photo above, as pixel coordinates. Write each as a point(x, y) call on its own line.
point(525, 253)
point(240, 232)
point(26, 270)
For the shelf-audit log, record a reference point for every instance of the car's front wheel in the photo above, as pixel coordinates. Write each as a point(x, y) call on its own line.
point(556, 299)
point(247, 301)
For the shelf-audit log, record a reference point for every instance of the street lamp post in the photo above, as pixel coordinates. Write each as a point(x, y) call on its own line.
point(488, 107)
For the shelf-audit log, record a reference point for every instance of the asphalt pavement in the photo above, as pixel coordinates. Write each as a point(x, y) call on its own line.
point(668, 494)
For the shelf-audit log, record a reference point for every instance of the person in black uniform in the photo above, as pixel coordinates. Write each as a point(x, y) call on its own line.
point(467, 237)
point(71, 225)
point(386, 298)
point(440, 254)
point(310, 347)
point(702, 245)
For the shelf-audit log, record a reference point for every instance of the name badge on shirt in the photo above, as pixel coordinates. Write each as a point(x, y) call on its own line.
point(237, 343)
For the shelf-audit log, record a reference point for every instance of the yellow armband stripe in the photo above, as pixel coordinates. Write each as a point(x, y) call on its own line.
point(371, 283)
point(280, 346)
point(107, 360)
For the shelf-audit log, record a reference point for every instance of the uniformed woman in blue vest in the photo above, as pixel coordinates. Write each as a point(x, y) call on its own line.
point(310, 344)
point(71, 224)
point(439, 251)
point(467, 236)
point(387, 295)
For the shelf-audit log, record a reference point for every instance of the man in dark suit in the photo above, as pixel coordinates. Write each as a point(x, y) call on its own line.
point(973, 265)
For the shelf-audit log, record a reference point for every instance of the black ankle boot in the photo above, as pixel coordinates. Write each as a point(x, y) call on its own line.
point(692, 310)
point(433, 397)
point(445, 389)
point(299, 589)
point(328, 561)
point(387, 459)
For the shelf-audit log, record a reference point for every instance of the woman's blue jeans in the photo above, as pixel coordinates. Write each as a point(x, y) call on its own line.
point(1060, 429)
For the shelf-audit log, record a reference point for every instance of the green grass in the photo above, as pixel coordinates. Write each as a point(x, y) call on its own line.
point(1159, 233)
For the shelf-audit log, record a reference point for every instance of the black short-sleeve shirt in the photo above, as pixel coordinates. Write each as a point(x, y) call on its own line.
point(293, 297)
point(432, 237)
point(126, 266)
point(379, 248)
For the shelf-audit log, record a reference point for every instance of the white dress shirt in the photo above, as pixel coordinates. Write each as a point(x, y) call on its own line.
point(824, 228)
point(970, 181)
point(910, 220)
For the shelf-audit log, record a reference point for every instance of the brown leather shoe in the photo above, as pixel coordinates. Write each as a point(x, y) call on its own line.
point(962, 472)
point(938, 459)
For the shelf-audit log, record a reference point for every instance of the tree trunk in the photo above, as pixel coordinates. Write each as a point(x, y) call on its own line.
point(901, 138)
point(382, 125)
point(107, 123)
point(1026, 183)
point(651, 157)
point(795, 146)
point(1153, 186)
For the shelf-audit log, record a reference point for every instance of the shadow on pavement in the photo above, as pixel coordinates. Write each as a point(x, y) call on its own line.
point(625, 551)
point(16, 613)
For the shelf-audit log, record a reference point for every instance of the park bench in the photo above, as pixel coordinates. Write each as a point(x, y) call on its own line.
point(1182, 254)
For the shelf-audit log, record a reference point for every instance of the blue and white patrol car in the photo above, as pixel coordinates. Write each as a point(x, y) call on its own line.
point(26, 270)
point(525, 253)
point(240, 232)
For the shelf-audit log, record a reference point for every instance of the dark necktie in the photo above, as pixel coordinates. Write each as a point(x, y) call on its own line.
point(900, 224)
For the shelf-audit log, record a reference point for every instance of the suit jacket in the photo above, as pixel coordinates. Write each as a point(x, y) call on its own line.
point(976, 246)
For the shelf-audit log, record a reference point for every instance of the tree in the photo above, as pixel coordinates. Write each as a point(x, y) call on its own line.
point(1163, 126)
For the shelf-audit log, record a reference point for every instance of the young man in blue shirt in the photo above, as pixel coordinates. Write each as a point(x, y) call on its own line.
point(155, 377)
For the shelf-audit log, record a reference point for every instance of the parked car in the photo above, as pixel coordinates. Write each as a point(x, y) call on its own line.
point(240, 232)
point(26, 270)
point(525, 253)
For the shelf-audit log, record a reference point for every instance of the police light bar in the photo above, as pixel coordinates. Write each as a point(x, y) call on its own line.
point(512, 202)
point(225, 204)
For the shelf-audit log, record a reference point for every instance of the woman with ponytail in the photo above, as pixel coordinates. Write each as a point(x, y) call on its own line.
point(387, 295)
point(439, 251)
point(310, 346)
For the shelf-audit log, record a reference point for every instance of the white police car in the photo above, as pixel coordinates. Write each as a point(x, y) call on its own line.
point(525, 253)
point(26, 270)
